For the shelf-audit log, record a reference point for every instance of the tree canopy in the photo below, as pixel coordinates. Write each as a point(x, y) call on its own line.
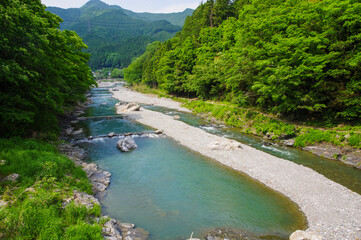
point(43, 70)
point(115, 35)
point(296, 58)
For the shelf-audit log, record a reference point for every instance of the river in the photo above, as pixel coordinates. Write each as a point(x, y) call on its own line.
point(171, 191)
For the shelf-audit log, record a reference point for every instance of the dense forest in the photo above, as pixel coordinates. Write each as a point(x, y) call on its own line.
point(295, 58)
point(43, 72)
point(115, 35)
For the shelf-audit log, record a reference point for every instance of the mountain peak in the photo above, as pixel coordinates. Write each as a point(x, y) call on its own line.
point(98, 4)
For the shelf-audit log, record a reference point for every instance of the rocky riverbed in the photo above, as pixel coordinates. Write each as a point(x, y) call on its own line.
point(332, 211)
point(100, 180)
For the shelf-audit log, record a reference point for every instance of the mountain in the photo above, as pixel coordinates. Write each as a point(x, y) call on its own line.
point(174, 18)
point(115, 35)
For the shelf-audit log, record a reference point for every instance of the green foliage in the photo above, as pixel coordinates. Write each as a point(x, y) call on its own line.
point(246, 119)
point(355, 140)
point(39, 213)
point(116, 36)
point(297, 59)
point(313, 136)
point(43, 70)
point(34, 161)
point(117, 73)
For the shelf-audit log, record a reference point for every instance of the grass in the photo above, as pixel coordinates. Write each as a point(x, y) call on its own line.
point(38, 213)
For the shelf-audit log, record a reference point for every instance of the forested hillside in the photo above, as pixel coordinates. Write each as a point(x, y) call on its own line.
point(295, 58)
point(43, 70)
point(174, 18)
point(115, 35)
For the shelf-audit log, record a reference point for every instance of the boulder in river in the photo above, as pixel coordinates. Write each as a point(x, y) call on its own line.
point(112, 134)
point(126, 144)
point(111, 231)
point(129, 107)
point(159, 131)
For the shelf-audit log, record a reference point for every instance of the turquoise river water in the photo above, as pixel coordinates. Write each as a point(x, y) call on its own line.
point(171, 191)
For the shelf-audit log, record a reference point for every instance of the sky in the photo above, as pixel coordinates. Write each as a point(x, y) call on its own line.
point(154, 6)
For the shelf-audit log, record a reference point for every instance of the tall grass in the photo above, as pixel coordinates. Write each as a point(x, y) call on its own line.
point(38, 213)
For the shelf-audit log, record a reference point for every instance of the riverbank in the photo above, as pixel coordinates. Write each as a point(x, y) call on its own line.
point(332, 210)
point(337, 142)
point(98, 178)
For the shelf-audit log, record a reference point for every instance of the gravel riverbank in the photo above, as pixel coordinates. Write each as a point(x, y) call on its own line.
point(332, 210)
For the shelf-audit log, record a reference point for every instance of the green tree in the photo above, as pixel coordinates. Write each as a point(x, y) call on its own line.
point(43, 70)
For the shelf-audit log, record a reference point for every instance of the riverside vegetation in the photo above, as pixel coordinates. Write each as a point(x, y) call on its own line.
point(44, 73)
point(266, 64)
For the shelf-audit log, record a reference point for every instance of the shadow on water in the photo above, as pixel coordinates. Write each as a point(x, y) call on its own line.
point(171, 191)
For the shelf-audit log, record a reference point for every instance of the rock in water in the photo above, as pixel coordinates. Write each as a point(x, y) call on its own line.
point(126, 144)
point(125, 108)
point(159, 131)
point(302, 235)
point(112, 134)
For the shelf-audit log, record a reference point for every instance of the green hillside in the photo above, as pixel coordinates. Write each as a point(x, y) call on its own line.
point(299, 60)
point(174, 18)
point(113, 36)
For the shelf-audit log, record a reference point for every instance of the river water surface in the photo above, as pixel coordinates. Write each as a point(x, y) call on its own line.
point(171, 191)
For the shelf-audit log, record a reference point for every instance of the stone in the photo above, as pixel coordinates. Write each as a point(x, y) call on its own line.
point(80, 131)
point(125, 227)
point(159, 131)
point(100, 177)
point(126, 144)
point(303, 235)
point(137, 234)
point(112, 134)
point(347, 136)
point(3, 204)
point(68, 131)
point(226, 144)
point(79, 112)
point(83, 199)
point(108, 174)
point(2, 162)
point(289, 142)
point(130, 107)
point(90, 137)
point(99, 187)
point(327, 151)
point(12, 177)
point(90, 168)
point(110, 230)
point(176, 117)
